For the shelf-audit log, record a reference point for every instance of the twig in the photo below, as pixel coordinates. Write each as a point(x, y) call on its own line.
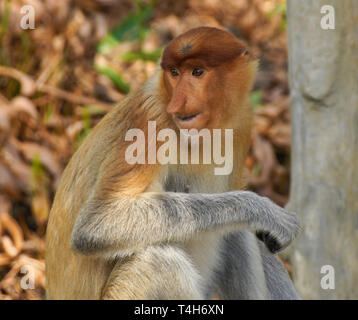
point(29, 87)
point(69, 96)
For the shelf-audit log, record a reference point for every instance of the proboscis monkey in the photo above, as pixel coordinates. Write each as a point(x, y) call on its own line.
point(121, 229)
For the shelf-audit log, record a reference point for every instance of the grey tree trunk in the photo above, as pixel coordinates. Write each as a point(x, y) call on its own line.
point(323, 67)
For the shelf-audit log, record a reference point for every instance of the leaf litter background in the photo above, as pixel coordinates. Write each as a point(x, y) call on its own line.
point(58, 80)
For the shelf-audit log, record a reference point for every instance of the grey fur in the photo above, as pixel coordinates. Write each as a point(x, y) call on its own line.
point(237, 276)
point(176, 217)
point(278, 281)
point(162, 272)
point(182, 244)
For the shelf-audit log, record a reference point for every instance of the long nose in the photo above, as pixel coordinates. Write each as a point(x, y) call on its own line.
point(178, 100)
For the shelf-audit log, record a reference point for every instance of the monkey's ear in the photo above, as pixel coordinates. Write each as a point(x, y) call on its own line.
point(244, 52)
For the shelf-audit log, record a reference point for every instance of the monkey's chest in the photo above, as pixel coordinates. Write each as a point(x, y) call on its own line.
point(189, 181)
point(203, 250)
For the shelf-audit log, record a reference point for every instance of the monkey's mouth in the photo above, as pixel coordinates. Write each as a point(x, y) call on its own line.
point(193, 121)
point(186, 118)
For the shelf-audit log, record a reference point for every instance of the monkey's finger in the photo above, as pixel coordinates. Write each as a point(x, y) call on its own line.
point(272, 244)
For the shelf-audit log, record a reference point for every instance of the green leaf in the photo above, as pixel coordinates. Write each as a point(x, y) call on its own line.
point(93, 110)
point(5, 18)
point(86, 120)
point(142, 55)
point(279, 8)
point(115, 77)
point(132, 28)
point(49, 113)
point(37, 171)
point(256, 99)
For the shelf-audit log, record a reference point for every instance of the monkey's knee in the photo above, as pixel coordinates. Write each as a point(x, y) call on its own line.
point(158, 272)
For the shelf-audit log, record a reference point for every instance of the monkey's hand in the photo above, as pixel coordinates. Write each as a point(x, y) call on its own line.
point(275, 226)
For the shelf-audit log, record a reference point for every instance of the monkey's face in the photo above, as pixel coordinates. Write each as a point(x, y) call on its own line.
point(189, 95)
point(206, 72)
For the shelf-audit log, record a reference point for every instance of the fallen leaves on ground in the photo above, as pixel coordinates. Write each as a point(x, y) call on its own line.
point(56, 84)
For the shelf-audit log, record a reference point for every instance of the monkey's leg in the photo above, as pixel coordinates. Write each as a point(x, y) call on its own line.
point(241, 275)
point(249, 271)
point(157, 272)
point(278, 282)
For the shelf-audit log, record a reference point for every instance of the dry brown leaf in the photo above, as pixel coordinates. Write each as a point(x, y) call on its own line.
point(8, 184)
point(5, 260)
point(265, 156)
point(47, 157)
point(28, 86)
point(8, 247)
point(25, 105)
point(280, 134)
point(9, 224)
point(19, 168)
point(262, 125)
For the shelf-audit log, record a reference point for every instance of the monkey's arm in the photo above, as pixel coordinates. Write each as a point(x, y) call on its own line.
point(249, 271)
point(131, 223)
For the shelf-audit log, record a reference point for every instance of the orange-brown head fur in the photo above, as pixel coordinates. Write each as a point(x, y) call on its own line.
point(207, 74)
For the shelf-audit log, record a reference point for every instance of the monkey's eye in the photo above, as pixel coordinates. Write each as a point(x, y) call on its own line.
point(174, 72)
point(197, 72)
